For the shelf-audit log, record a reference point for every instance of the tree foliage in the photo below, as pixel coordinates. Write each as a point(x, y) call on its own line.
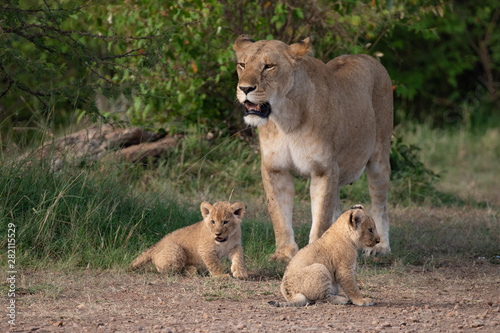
point(173, 62)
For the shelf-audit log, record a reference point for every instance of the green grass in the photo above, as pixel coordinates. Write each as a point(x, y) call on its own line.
point(103, 215)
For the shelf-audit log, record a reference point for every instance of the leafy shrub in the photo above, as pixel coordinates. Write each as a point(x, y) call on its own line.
point(410, 178)
point(173, 59)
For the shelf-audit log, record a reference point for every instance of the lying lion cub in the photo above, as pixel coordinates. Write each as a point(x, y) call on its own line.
point(203, 244)
point(317, 270)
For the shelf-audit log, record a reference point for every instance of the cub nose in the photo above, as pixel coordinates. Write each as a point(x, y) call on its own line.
point(377, 240)
point(220, 233)
point(247, 90)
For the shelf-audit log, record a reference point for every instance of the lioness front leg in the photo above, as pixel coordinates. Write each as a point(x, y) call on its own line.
point(278, 185)
point(347, 281)
point(325, 203)
point(238, 263)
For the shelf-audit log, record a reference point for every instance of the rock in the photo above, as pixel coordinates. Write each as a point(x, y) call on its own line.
point(477, 323)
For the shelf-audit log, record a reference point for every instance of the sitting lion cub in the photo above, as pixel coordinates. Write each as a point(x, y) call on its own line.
point(203, 244)
point(317, 270)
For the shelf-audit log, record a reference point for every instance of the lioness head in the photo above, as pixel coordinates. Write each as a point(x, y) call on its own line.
point(222, 219)
point(366, 234)
point(266, 74)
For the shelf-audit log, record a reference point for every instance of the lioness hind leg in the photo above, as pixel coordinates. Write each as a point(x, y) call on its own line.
point(171, 258)
point(378, 171)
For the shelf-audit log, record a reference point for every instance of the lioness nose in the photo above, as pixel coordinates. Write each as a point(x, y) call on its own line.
point(247, 90)
point(378, 240)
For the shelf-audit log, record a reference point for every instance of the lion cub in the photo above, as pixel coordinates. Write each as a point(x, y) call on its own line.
point(317, 270)
point(203, 244)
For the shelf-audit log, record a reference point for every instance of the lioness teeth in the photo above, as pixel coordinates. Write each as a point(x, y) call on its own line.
point(252, 107)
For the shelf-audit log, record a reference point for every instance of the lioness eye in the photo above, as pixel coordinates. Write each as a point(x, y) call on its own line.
point(225, 222)
point(268, 66)
point(242, 65)
point(370, 230)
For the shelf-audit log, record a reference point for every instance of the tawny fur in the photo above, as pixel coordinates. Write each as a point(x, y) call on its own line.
point(316, 271)
point(329, 122)
point(201, 246)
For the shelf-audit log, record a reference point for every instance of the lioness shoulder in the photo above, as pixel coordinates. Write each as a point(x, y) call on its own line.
point(316, 271)
point(201, 246)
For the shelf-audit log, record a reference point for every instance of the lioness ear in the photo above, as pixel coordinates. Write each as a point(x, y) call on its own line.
point(356, 218)
point(205, 208)
point(241, 42)
point(238, 209)
point(299, 49)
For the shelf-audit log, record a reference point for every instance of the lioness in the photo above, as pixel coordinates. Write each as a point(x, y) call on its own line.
point(326, 121)
point(203, 244)
point(317, 270)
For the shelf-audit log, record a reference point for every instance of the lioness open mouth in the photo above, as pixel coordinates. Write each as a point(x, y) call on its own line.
point(261, 110)
point(220, 239)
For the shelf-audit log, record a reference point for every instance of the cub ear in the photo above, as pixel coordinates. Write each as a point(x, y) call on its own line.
point(357, 206)
point(241, 42)
point(356, 218)
point(299, 49)
point(238, 209)
point(205, 208)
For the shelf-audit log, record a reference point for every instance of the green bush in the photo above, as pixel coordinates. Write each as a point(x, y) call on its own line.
point(174, 63)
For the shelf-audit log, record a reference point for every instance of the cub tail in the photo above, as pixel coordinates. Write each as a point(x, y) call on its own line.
point(142, 259)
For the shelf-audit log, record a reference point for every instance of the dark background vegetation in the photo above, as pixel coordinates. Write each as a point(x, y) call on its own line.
point(173, 61)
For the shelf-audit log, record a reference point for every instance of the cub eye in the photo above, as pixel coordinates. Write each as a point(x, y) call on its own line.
point(213, 222)
point(225, 222)
point(241, 65)
point(370, 230)
point(269, 66)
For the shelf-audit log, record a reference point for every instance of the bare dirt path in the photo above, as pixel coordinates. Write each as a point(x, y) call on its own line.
point(409, 299)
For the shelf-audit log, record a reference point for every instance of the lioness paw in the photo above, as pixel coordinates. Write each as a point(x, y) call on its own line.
point(363, 302)
point(381, 248)
point(284, 253)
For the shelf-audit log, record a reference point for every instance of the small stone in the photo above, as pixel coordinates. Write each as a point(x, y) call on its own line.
point(477, 323)
point(58, 324)
point(241, 326)
point(386, 324)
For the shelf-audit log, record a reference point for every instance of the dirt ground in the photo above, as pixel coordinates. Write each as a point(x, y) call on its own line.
point(451, 299)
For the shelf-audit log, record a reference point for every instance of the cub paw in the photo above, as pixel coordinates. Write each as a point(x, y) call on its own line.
point(240, 274)
point(335, 299)
point(363, 302)
point(284, 253)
